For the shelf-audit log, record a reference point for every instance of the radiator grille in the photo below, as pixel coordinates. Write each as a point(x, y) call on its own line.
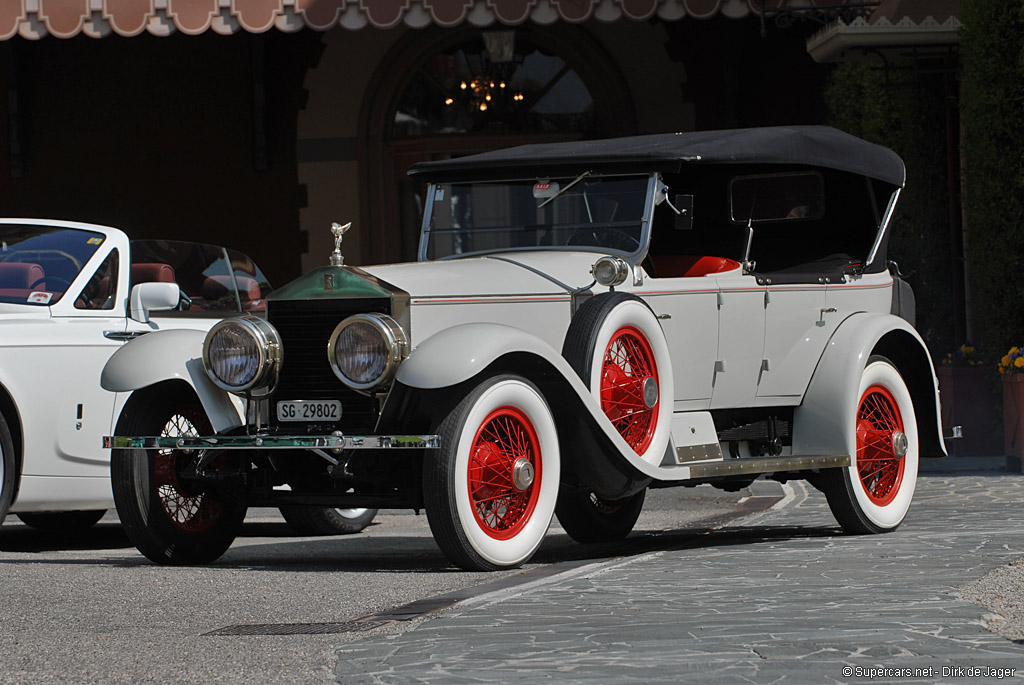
point(305, 327)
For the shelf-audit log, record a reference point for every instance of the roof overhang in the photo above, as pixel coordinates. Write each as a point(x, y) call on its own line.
point(35, 19)
point(895, 35)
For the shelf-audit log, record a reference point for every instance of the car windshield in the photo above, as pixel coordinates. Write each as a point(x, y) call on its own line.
point(585, 212)
point(214, 278)
point(38, 263)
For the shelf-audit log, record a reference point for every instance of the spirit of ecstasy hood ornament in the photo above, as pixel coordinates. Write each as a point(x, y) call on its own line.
point(339, 231)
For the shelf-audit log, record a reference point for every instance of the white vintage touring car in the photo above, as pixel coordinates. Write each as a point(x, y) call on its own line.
point(70, 295)
point(587, 320)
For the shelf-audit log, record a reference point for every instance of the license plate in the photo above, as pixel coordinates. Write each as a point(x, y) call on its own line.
point(309, 410)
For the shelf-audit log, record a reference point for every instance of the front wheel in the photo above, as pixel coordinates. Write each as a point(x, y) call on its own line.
point(490, 489)
point(587, 518)
point(873, 494)
point(171, 517)
point(327, 521)
point(7, 470)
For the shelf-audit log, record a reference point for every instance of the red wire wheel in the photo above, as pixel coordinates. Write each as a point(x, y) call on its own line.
point(628, 367)
point(879, 466)
point(504, 473)
point(192, 513)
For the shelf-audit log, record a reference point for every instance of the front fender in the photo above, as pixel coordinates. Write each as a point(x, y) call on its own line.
point(171, 355)
point(461, 352)
point(822, 424)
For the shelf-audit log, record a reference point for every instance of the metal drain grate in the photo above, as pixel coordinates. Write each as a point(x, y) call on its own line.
point(356, 626)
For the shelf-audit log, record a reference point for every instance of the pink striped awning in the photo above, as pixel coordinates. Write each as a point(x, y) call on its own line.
point(98, 18)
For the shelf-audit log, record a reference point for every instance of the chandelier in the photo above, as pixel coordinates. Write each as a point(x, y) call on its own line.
point(488, 85)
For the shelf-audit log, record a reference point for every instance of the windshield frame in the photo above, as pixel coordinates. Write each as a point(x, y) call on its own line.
point(632, 257)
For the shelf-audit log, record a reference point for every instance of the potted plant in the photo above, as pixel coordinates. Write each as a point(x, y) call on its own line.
point(1011, 367)
point(970, 399)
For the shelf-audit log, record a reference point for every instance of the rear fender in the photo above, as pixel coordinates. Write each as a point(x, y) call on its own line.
point(822, 423)
point(172, 355)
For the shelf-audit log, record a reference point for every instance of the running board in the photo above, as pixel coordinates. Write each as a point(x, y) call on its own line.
point(737, 467)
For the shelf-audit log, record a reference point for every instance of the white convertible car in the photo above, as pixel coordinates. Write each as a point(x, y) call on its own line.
point(70, 295)
point(587, 320)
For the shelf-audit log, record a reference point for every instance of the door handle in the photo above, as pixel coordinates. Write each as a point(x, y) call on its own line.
point(123, 336)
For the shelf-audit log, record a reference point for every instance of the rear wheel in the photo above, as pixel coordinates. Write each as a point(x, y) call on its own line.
point(873, 494)
point(327, 521)
point(171, 517)
point(8, 472)
point(588, 518)
point(61, 520)
point(490, 489)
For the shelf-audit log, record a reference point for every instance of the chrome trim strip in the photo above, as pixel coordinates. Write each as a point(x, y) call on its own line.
point(274, 442)
point(399, 298)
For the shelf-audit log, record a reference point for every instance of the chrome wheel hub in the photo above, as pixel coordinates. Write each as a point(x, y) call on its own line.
point(900, 444)
point(522, 474)
point(650, 392)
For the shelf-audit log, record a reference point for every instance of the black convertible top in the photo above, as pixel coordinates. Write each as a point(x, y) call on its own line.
point(819, 146)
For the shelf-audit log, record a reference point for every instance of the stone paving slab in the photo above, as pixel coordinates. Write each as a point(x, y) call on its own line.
point(782, 597)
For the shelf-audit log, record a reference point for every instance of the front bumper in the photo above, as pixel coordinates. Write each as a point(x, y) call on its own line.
point(273, 442)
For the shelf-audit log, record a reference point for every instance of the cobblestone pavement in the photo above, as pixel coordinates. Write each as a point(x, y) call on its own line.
point(783, 596)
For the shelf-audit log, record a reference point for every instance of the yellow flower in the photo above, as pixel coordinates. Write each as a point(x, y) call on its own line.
point(1005, 361)
point(1018, 362)
point(1014, 350)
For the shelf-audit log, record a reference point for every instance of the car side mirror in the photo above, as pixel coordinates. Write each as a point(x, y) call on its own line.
point(684, 212)
point(150, 297)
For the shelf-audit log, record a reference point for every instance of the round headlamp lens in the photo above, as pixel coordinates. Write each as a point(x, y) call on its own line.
point(366, 349)
point(242, 355)
point(361, 353)
point(234, 356)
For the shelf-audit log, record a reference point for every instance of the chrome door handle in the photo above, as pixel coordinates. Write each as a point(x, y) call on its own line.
point(123, 336)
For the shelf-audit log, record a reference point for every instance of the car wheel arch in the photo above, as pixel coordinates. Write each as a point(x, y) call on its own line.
point(915, 366)
point(579, 436)
point(13, 417)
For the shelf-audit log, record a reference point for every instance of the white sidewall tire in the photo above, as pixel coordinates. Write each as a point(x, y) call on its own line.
point(890, 515)
point(516, 550)
point(636, 314)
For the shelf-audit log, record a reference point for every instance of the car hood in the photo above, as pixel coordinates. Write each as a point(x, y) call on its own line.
point(510, 273)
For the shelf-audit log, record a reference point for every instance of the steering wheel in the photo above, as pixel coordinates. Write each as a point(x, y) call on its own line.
point(611, 238)
point(44, 279)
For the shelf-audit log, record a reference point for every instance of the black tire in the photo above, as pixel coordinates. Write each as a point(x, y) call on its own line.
point(170, 521)
point(58, 521)
point(874, 493)
point(589, 519)
point(326, 520)
point(490, 489)
point(8, 470)
point(616, 346)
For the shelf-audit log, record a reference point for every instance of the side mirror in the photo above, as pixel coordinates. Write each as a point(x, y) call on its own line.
point(151, 297)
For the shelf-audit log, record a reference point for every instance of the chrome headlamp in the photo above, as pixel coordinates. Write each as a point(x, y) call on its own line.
point(610, 271)
point(366, 349)
point(243, 354)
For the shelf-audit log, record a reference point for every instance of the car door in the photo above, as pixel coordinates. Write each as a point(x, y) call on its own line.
point(741, 335)
point(87, 328)
point(796, 330)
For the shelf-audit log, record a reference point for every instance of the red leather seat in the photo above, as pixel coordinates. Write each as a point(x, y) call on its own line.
point(19, 279)
point(152, 272)
point(691, 266)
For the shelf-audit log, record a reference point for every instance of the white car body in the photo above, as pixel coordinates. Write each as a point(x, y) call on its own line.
point(51, 357)
point(619, 340)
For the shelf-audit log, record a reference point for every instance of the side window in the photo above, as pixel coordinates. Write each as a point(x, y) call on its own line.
point(101, 290)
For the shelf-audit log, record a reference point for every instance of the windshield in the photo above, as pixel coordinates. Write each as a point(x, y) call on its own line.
point(214, 278)
point(585, 212)
point(38, 263)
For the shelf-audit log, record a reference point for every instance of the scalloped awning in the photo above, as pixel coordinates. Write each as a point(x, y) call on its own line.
point(35, 19)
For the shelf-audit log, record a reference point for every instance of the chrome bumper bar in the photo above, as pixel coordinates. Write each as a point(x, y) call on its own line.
point(274, 442)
